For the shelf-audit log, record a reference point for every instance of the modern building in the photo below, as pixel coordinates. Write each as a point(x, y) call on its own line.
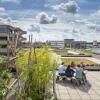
point(71, 43)
point(68, 43)
point(39, 44)
point(89, 45)
point(94, 44)
point(10, 38)
point(19, 37)
point(56, 44)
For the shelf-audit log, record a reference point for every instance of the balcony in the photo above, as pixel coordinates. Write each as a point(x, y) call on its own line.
point(3, 42)
point(3, 34)
point(3, 50)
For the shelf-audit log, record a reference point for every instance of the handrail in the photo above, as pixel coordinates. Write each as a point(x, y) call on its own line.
point(12, 84)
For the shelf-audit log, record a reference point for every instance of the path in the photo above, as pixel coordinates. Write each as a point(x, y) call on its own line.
point(91, 91)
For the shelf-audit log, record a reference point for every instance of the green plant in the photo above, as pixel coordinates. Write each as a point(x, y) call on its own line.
point(37, 73)
point(88, 51)
point(77, 61)
point(5, 77)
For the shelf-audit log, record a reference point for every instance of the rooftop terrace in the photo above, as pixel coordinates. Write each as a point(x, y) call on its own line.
point(90, 91)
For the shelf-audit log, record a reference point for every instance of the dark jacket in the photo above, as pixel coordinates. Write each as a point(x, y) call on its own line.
point(69, 72)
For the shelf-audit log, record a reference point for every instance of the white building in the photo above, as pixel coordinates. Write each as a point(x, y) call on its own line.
point(56, 44)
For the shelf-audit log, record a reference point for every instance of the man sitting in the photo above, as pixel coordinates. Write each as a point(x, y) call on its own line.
point(61, 70)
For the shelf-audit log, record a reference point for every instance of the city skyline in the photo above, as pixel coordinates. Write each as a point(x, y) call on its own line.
point(54, 19)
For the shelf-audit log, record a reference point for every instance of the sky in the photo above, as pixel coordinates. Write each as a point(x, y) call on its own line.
point(54, 19)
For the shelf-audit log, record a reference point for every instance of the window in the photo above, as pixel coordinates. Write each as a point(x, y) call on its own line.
point(3, 38)
point(3, 30)
point(3, 46)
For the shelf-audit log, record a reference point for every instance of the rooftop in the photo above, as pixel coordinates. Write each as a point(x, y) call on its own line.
point(90, 91)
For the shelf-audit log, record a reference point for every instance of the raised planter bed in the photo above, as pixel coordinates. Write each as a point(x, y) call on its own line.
point(77, 56)
point(92, 68)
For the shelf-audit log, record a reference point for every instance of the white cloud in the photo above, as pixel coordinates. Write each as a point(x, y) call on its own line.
point(94, 27)
point(96, 14)
point(77, 29)
point(7, 21)
point(34, 28)
point(45, 19)
point(69, 7)
point(3, 11)
point(13, 1)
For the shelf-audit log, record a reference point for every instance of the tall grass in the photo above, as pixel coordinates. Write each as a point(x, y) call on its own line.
point(36, 74)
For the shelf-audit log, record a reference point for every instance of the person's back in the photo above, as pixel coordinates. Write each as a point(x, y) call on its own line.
point(61, 69)
point(79, 72)
point(69, 72)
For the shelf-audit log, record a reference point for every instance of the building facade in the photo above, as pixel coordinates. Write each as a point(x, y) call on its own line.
point(70, 43)
point(10, 38)
point(56, 44)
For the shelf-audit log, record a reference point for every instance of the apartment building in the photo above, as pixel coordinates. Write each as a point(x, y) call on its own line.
point(10, 38)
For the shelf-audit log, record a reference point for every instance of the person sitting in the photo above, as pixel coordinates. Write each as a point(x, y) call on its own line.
point(79, 74)
point(84, 73)
point(82, 65)
point(69, 72)
point(61, 70)
point(73, 66)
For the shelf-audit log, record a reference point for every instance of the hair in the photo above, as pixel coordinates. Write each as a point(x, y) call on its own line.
point(62, 63)
point(68, 66)
point(72, 64)
point(78, 65)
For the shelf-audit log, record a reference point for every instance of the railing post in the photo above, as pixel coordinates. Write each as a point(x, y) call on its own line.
point(54, 84)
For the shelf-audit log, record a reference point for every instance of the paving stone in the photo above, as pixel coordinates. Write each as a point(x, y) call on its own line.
point(75, 97)
point(95, 97)
point(97, 91)
point(90, 91)
point(65, 97)
point(85, 97)
point(72, 92)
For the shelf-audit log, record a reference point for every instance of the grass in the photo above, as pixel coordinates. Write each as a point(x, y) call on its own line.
point(88, 51)
point(2, 59)
point(77, 61)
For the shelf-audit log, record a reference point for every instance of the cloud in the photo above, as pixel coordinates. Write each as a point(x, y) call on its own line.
point(7, 21)
point(94, 27)
point(69, 7)
point(96, 14)
point(34, 28)
point(13, 1)
point(45, 19)
point(3, 11)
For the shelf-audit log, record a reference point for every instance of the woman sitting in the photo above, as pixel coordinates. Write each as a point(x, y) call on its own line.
point(73, 66)
point(69, 72)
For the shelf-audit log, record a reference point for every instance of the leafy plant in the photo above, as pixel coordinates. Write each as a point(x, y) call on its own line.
point(5, 77)
point(37, 73)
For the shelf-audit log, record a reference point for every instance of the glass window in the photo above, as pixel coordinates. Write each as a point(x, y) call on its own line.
point(3, 38)
point(3, 30)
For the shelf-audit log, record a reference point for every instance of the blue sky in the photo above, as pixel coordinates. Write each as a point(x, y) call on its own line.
point(54, 19)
